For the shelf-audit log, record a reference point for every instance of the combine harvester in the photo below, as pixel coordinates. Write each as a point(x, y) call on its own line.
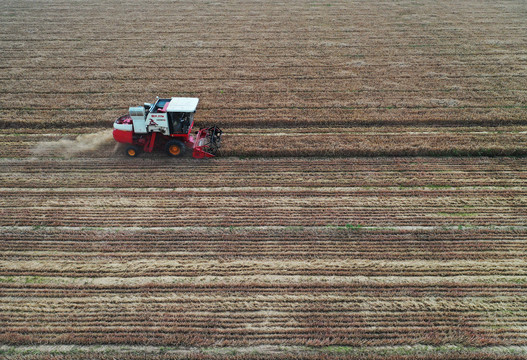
point(166, 124)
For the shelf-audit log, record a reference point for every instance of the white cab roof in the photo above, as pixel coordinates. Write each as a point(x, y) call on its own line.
point(182, 104)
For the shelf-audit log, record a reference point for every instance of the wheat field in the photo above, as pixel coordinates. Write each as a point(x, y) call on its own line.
point(368, 201)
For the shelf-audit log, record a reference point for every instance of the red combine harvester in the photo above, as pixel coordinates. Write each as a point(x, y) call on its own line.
point(166, 124)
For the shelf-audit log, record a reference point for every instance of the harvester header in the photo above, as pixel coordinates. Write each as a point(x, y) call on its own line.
point(166, 124)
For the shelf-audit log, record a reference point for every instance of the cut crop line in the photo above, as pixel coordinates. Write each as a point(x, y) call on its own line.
point(395, 228)
point(376, 133)
point(422, 64)
point(259, 350)
point(244, 107)
point(284, 77)
point(279, 189)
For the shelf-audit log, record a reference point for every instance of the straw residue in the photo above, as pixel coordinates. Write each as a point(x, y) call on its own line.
point(68, 147)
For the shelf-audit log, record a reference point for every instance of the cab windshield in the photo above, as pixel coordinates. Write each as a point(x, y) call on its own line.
point(159, 104)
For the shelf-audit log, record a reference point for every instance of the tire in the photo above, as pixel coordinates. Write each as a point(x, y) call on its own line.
point(175, 148)
point(132, 151)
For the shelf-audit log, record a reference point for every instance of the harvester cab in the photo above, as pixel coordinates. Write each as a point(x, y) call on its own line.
point(166, 124)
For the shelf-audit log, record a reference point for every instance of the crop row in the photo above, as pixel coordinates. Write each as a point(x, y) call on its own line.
point(321, 338)
point(64, 119)
point(270, 80)
point(316, 329)
point(445, 290)
point(239, 217)
point(241, 267)
point(196, 208)
point(314, 145)
point(258, 318)
point(305, 320)
point(299, 243)
point(67, 250)
point(357, 321)
point(264, 328)
point(363, 199)
point(424, 166)
point(271, 250)
point(500, 167)
point(210, 304)
point(317, 77)
point(271, 100)
point(220, 174)
point(252, 353)
point(342, 145)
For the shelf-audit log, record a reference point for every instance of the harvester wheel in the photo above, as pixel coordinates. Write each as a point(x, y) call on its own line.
point(175, 148)
point(132, 151)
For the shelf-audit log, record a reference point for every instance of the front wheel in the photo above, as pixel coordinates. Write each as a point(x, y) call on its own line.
point(175, 148)
point(132, 151)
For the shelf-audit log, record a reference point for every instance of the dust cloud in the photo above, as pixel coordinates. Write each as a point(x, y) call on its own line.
point(68, 148)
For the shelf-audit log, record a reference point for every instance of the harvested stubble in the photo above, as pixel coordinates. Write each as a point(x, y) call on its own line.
point(261, 353)
point(264, 174)
point(247, 286)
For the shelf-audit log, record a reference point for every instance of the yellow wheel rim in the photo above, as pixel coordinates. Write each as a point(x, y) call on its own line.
point(174, 150)
point(131, 152)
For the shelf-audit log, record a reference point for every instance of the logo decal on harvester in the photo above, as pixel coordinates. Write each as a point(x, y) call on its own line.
point(152, 122)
